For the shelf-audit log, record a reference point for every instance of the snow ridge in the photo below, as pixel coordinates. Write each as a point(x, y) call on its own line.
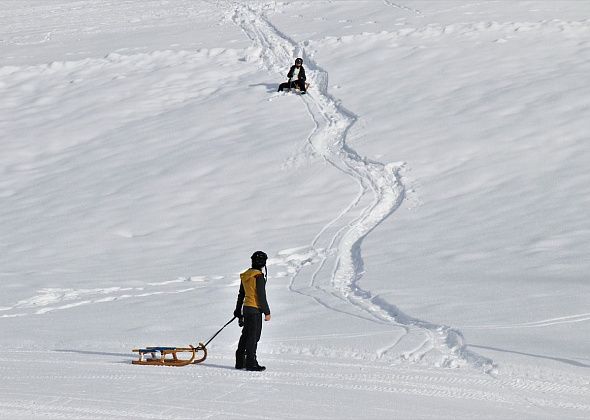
point(471, 30)
point(337, 247)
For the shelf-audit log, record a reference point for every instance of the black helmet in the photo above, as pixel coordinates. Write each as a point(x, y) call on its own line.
point(259, 259)
point(299, 61)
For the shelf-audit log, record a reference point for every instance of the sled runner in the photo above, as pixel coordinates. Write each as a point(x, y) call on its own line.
point(168, 356)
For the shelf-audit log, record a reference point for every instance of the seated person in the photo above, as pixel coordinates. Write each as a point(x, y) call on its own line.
point(297, 72)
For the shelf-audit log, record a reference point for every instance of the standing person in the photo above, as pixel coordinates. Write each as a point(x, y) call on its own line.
point(296, 72)
point(252, 296)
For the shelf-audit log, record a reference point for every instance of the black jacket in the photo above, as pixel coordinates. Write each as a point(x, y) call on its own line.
point(301, 73)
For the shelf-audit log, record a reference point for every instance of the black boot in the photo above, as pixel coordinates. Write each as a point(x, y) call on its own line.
point(256, 368)
point(240, 360)
point(252, 365)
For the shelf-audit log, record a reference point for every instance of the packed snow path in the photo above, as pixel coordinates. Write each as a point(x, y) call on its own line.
point(334, 282)
point(116, 387)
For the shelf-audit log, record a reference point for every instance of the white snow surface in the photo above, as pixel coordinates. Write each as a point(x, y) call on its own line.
point(424, 207)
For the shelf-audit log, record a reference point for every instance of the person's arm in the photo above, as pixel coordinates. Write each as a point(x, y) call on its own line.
point(302, 74)
point(240, 302)
point(290, 74)
point(261, 292)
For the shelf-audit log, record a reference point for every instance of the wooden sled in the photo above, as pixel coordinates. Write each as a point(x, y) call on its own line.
point(297, 90)
point(168, 356)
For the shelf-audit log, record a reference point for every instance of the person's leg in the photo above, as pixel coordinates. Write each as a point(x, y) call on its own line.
point(255, 320)
point(241, 351)
point(283, 86)
point(258, 331)
point(250, 325)
point(301, 84)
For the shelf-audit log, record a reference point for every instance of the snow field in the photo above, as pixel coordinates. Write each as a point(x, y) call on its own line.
point(496, 132)
point(432, 221)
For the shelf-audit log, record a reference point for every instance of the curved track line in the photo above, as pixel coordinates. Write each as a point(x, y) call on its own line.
point(536, 324)
point(381, 194)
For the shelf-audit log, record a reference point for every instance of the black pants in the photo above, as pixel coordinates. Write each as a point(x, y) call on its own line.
point(250, 335)
point(292, 85)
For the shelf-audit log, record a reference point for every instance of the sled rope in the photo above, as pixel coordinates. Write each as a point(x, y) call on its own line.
point(221, 329)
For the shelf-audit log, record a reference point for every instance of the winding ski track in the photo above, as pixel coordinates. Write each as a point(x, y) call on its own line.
point(335, 281)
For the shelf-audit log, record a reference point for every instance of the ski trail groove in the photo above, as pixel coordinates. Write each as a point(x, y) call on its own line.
point(338, 244)
point(403, 7)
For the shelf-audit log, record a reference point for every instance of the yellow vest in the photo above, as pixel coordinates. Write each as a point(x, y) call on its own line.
point(248, 278)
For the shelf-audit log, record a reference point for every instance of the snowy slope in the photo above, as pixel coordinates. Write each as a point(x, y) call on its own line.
point(424, 207)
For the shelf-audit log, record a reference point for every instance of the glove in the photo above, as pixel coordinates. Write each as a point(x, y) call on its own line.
point(238, 314)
